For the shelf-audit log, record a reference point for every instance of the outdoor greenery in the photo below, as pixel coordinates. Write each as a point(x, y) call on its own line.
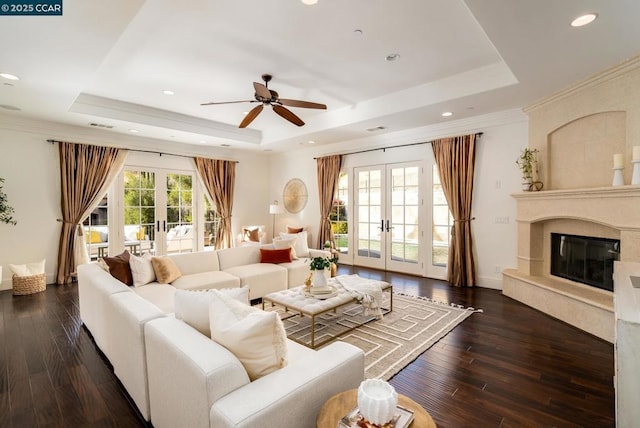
point(6, 211)
point(320, 263)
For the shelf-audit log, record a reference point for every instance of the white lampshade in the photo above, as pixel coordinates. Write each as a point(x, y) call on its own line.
point(275, 208)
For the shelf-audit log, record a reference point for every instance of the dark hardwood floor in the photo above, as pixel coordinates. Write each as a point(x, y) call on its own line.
point(510, 366)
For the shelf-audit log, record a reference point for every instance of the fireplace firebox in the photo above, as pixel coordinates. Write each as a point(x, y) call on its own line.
point(584, 259)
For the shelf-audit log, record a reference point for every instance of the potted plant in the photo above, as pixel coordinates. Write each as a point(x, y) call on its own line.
point(5, 210)
point(318, 265)
point(528, 164)
point(5, 214)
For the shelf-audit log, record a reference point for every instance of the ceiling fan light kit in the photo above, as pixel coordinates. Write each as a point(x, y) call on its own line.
point(266, 96)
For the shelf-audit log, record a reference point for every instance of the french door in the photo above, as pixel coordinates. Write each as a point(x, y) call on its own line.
point(388, 209)
point(158, 212)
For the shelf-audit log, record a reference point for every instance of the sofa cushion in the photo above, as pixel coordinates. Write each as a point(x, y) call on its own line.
point(262, 278)
point(238, 256)
point(141, 269)
point(119, 267)
point(275, 256)
point(200, 261)
point(206, 280)
point(192, 307)
point(302, 248)
point(257, 338)
point(160, 295)
point(280, 243)
point(297, 272)
point(165, 269)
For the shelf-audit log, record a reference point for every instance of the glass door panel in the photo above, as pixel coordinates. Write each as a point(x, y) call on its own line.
point(180, 233)
point(388, 207)
point(139, 211)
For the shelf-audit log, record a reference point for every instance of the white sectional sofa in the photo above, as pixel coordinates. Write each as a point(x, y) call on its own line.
point(179, 377)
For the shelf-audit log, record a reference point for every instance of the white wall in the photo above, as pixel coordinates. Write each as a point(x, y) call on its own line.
point(30, 167)
point(496, 177)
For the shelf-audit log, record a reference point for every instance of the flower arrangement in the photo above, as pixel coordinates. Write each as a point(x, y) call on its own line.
point(320, 263)
point(5, 209)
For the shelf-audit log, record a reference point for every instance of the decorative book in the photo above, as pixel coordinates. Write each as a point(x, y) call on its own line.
point(402, 419)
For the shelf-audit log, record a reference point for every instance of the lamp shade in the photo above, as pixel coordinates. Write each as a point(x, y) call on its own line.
point(275, 208)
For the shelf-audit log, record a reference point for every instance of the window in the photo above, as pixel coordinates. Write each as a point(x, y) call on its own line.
point(338, 216)
point(442, 222)
point(96, 230)
point(211, 224)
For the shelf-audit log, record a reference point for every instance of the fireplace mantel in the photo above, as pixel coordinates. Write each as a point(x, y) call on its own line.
point(608, 212)
point(616, 207)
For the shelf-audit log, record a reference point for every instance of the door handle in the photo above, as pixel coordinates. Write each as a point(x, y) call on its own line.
point(388, 226)
point(158, 226)
point(164, 225)
point(381, 225)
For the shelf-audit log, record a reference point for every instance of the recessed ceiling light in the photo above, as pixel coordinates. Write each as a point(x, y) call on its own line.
point(245, 113)
point(202, 142)
point(168, 92)
point(392, 57)
point(309, 2)
point(9, 76)
point(584, 20)
point(311, 142)
point(134, 131)
point(447, 114)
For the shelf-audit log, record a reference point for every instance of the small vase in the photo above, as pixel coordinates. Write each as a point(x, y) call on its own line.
point(526, 184)
point(318, 279)
point(377, 401)
point(334, 269)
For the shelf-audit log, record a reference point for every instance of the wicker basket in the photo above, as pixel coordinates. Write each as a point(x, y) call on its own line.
point(23, 285)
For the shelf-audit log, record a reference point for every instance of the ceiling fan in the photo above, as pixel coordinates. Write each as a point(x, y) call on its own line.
point(266, 96)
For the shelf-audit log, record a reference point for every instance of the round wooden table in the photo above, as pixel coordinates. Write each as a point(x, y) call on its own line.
point(341, 404)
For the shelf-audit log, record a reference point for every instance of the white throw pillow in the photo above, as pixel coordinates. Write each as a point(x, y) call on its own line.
point(192, 306)
point(301, 247)
point(281, 244)
point(257, 338)
point(141, 269)
point(28, 269)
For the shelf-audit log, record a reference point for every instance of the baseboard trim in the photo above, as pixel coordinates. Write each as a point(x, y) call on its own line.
point(489, 282)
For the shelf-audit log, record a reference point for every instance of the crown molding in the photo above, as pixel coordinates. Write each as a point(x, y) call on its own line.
point(614, 72)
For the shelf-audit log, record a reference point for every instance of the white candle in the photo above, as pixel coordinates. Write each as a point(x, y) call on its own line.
point(618, 160)
point(636, 153)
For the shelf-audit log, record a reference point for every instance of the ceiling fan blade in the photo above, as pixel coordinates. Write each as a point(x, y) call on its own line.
point(253, 113)
point(303, 104)
point(262, 90)
point(228, 102)
point(288, 114)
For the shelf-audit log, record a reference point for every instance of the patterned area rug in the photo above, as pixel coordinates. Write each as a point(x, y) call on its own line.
point(391, 343)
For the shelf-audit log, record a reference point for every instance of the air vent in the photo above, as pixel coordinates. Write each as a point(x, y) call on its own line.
point(377, 128)
point(101, 125)
point(8, 107)
point(225, 145)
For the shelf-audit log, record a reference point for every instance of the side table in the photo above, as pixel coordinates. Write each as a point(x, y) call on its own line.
point(341, 404)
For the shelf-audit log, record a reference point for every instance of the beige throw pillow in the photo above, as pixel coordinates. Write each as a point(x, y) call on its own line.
point(281, 244)
point(257, 338)
point(27, 269)
point(301, 246)
point(192, 306)
point(165, 269)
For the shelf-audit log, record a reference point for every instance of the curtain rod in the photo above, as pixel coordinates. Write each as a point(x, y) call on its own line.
point(141, 151)
point(394, 147)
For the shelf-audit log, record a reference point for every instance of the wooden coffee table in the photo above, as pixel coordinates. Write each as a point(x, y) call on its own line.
point(341, 404)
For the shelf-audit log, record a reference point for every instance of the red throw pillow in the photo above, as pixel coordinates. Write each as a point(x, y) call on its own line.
point(119, 267)
point(275, 256)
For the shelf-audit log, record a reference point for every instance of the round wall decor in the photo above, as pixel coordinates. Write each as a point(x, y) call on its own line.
point(295, 195)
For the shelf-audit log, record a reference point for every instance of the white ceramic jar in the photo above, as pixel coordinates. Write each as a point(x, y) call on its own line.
point(377, 401)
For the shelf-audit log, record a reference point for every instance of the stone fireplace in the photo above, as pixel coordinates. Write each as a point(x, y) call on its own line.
point(577, 132)
point(608, 212)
